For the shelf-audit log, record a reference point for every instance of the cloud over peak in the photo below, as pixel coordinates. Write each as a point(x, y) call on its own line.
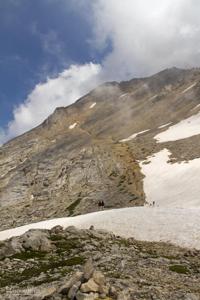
point(63, 90)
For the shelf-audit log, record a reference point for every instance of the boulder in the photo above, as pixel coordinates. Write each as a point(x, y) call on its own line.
point(91, 296)
point(99, 278)
point(88, 269)
point(73, 290)
point(10, 248)
point(124, 296)
point(57, 229)
point(36, 240)
point(89, 286)
point(76, 278)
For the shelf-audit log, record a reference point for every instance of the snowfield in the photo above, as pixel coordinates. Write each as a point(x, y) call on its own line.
point(179, 226)
point(171, 184)
point(184, 129)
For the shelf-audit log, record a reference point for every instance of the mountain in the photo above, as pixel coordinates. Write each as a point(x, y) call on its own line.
point(110, 145)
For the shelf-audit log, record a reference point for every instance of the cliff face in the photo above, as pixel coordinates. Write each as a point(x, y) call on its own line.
point(81, 154)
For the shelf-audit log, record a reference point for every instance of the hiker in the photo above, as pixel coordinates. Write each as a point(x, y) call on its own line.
point(153, 203)
point(101, 204)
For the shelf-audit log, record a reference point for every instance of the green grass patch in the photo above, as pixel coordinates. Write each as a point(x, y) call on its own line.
point(56, 237)
point(179, 269)
point(67, 245)
point(29, 254)
point(16, 278)
point(72, 207)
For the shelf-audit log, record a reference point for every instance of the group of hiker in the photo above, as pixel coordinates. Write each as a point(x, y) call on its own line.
point(153, 204)
point(101, 204)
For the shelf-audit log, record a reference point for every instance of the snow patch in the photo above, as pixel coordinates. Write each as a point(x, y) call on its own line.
point(131, 137)
point(92, 105)
point(189, 88)
point(123, 95)
point(165, 125)
point(196, 107)
point(73, 126)
point(171, 185)
point(153, 97)
point(178, 226)
point(23, 161)
point(184, 129)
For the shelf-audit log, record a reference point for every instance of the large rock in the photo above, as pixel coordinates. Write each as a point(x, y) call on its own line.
point(90, 286)
point(57, 229)
point(88, 269)
point(76, 278)
point(82, 296)
point(10, 248)
point(73, 290)
point(99, 278)
point(36, 240)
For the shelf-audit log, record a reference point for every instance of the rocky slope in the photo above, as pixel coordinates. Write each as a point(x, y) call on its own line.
point(80, 155)
point(48, 264)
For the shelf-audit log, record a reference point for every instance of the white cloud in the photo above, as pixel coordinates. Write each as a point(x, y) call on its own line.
point(147, 36)
point(69, 85)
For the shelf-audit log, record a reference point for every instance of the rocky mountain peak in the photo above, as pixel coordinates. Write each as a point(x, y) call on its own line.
point(90, 150)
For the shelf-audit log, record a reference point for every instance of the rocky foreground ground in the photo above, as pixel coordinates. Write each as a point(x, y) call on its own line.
point(91, 264)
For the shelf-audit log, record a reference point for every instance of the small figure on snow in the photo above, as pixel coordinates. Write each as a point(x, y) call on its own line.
point(101, 204)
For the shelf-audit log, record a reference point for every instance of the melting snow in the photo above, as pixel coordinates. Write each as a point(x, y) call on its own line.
point(92, 105)
point(195, 107)
point(172, 185)
point(123, 95)
point(179, 226)
point(165, 125)
point(153, 97)
point(131, 137)
point(72, 126)
point(189, 88)
point(184, 129)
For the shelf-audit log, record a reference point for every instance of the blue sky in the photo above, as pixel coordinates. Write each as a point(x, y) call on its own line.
point(38, 39)
point(54, 51)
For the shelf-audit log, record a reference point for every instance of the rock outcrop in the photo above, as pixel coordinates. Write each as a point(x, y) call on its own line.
point(94, 265)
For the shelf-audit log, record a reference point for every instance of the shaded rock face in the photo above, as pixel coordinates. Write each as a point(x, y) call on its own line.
point(60, 170)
